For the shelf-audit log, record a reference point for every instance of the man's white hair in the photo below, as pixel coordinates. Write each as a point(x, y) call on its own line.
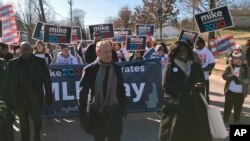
point(101, 44)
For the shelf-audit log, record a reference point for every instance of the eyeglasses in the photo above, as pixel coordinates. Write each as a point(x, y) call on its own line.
point(160, 50)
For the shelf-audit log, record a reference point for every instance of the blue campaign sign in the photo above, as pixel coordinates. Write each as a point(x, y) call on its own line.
point(143, 89)
point(188, 35)
point(76, 34)
point(217, 18)
point(57, 34)
point(145, 29)
point(136, 42)
point(106, 30)
point(38, 31)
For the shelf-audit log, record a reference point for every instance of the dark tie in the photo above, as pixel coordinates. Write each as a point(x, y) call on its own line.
point(105, 81)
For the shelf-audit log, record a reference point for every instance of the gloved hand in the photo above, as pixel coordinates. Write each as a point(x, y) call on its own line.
point(199, 88)
point(236, 79)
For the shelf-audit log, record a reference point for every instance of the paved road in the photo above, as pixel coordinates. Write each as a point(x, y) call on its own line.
point(138, 127)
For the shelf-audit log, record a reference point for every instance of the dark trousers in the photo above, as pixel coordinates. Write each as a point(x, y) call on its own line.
point(113, 137)
point(23, 115)
point(207, 89)
point(235, 100)
point(6, 129)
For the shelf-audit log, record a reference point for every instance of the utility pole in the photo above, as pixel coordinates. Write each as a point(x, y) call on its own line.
point(193, 15)
point(70, 3)
point(211, 35)
point(42, 11)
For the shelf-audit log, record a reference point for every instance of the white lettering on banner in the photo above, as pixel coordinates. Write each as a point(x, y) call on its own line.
point(55, 88)
point(133, 69)
point(101, 27)
point(70, 109)
point(211, 15)
point(74, 31)
point(138, 91)
point(189, 34)
point(57, 30)
point(65, 96)
point(65, 92)
point(136, 40)
point(144, 27)
point(77, 89)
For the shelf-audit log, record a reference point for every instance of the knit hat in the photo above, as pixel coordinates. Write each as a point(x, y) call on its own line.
point(236, 54)
point(97, 33)
point(199, 40)
point(159, 47)
point(63, 46)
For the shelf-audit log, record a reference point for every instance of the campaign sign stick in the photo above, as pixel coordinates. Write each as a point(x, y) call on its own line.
point(145, 29)
point(214, 19)
point(76, 34)
point(188, 35)
point(136, 42)
point(106, 30)
point(57, 34)
point(121, 32)
point(38, 31)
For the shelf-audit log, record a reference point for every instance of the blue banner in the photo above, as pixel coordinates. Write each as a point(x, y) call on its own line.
point(76, 34)
point(217, 18)
point(188, 35)
point(57, 34)
point(145, 29)
point(38, 31)
point(141, 82)
point(136, 42)
point(106, 30)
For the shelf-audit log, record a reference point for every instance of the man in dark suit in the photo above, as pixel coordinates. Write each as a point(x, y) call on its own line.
point(102, 114)
point(28, 76)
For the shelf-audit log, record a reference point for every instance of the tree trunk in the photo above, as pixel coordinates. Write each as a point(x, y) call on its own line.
point(42, 11)
point(211, 35)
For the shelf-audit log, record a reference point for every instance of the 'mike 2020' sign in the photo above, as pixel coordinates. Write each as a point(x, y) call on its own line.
point(106, 30)
point(214, 19)
point(57, 34)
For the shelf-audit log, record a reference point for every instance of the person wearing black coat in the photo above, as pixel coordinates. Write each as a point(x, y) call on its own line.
point(183, 115)
point(6, 116)
point(101, 116)
point(28, 77)
point(90, 54)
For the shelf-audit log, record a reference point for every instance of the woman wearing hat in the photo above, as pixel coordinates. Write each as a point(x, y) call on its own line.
point(236, 87)
point(159, 53)
point(183, 115)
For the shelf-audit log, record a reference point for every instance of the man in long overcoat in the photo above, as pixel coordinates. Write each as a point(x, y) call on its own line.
point(28, 77)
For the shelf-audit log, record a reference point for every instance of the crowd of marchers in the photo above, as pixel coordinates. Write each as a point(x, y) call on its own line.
point(25, 86)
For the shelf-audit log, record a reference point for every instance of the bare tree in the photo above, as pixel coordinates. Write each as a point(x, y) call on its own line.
point(26, 15)
point(125, 17)
point(158, 12)
point(241, 7)
point(78, 16)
